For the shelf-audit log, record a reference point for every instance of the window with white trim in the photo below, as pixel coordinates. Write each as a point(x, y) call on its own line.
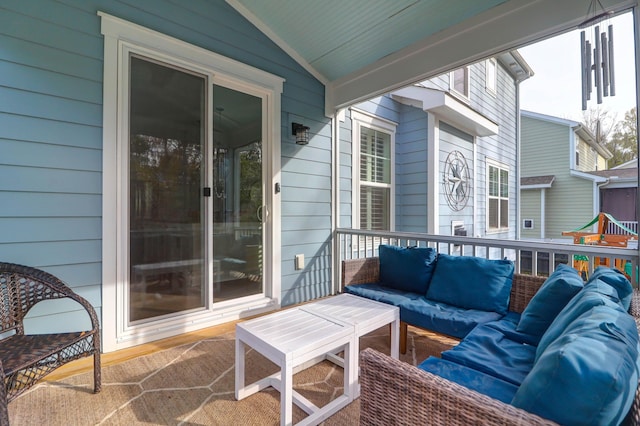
point(491, 82)
point(498, 197)
point(373, 173)
point(459, 81)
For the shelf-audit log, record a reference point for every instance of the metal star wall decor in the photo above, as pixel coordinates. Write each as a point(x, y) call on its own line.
point(456, 181)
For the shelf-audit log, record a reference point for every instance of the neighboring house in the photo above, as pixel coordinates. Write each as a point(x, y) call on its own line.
point(560, 185)
point(439, 156)
point(619, 194)
point(147, 155)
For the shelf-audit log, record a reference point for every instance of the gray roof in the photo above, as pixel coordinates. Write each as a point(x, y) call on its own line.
point(537, 181)
point(617, 173)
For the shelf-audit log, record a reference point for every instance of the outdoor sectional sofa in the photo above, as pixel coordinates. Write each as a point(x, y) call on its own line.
point(566, 352)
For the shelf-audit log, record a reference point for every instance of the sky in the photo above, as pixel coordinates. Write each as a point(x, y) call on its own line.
point(555, 88)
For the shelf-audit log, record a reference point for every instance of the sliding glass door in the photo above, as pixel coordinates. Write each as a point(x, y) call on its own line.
point(166, 177)
point(187, 213)
point(237, 194)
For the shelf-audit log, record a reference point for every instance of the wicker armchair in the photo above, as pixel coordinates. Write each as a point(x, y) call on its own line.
point(25, 359)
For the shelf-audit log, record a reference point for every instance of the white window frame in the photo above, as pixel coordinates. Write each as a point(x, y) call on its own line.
point(120, 39)
point(500, 167)
point(360, 119)
point(491, 76)
point(462, 95)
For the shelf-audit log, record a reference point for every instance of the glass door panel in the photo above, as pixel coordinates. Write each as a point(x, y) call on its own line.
point(166, 211)
point(237, 194)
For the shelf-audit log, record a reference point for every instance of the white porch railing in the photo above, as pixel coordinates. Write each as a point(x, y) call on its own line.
point(530, 257)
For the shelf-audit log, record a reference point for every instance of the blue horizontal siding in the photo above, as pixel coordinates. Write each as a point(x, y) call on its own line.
point(43, 204)
point(306, 223)
point(51, 62)
point(27, 78)
point(27, 179)
point(52, 252)
point(50, 107)
point(31, 229)
point(24, 153)
point(75, 320)
point(39, 55)
point(35, 129)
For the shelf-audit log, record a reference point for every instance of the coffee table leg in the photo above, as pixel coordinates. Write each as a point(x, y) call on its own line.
point(351, 389)
point(239, 367)
point(395, 333)
point(286, 394)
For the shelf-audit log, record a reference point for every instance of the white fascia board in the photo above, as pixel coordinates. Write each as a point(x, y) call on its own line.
point(615, 182)
point(587, 176)
point(447, 107)
point(541, 186)
point(520, 21)
point(549, 118)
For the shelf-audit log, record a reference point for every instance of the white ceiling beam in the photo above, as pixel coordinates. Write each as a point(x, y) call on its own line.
point(513, 24)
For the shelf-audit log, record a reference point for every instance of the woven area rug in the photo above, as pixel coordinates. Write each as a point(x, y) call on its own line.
point(193, 384)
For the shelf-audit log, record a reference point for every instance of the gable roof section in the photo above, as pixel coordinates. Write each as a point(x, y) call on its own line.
point(580, 129)
point(360, 49)
point(618, 177)
point(537, 182)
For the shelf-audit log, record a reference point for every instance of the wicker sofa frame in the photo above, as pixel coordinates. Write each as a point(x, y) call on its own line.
point(367, 270)
point(393, 392)
point(25, 358)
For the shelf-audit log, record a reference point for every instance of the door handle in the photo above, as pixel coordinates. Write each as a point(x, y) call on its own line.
point(260, 211)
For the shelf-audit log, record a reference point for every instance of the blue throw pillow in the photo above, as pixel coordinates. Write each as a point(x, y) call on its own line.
point(615, 279)
point(589, 375)
point(592, 295)
point(472, 283)
point(549, 300)
point(406, 268)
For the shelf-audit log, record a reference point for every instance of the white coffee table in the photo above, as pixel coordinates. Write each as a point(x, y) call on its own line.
point(290, 339)
point(364, 315)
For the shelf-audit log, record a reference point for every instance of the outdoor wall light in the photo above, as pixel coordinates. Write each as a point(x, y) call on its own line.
point(301, 132)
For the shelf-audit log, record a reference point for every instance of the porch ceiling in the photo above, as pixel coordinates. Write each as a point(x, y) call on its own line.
point(363, 48)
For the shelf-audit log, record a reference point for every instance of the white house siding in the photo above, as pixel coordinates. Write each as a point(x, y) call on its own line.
point(51, 63)
point(452, 139)
point(590, 159)
point(501, 148)
point(345, 162)
point(546, 151)
point(411, 171)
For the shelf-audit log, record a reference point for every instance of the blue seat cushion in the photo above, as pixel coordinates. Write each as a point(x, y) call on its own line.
point(508, 324)
point(443, 318)
point(472, 283)
point(406, 268)
point(597, 293)
point(470, 378)
point(487, 349)
point(587, 376)
point(615, 279)
point(381, 293)
point(549, 300)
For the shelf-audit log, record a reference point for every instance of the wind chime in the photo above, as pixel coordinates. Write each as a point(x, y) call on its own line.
point(597, 58)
